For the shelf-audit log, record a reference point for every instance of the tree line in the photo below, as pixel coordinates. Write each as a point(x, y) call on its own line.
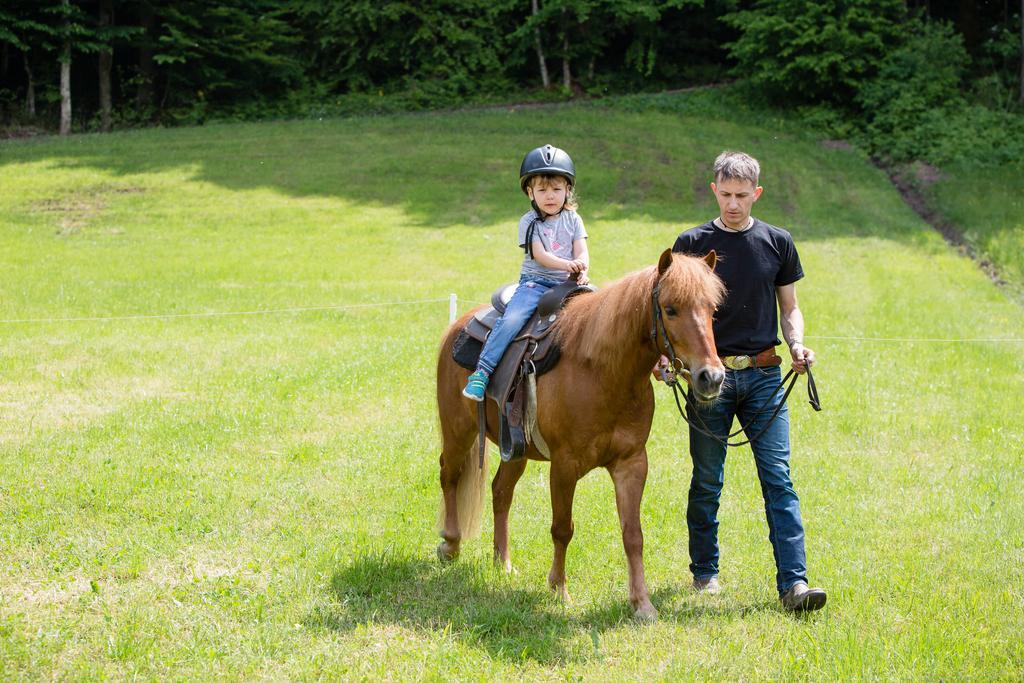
point(97, 64)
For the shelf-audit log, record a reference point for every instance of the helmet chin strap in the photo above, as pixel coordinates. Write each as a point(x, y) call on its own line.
point(528, 247)
point(541, 214)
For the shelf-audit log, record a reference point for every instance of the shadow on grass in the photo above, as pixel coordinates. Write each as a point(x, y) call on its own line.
point(478, 606)
point(416, 162)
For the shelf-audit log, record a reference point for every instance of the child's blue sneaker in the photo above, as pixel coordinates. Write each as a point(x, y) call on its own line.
point(476, 386)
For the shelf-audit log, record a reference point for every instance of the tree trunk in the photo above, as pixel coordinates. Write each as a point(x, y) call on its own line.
point(147, 68)
point(968, 24)
point(566, 75)
point(544, 77)
point(106, 60)
point(1022, 52)
point(30, 88)
point(65, 90)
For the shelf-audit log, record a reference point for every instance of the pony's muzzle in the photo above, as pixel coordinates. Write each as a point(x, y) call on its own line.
point(707, 382)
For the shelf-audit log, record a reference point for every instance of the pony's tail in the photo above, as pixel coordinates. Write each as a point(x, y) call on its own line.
point(469, 494)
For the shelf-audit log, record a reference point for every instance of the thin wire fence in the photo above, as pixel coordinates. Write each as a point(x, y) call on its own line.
point(453, 304)
point(219, 314)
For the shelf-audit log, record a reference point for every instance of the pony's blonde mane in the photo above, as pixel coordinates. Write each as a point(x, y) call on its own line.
point(596, 326)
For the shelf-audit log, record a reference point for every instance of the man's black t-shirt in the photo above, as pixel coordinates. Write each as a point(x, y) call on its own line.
point(752, 264)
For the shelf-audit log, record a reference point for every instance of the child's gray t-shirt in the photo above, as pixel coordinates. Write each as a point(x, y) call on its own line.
point(557, 234)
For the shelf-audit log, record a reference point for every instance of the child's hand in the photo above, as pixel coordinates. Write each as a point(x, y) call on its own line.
point(581, 278)
point(576, 266)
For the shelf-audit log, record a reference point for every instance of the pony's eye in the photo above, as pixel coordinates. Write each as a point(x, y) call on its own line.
point(670, 312)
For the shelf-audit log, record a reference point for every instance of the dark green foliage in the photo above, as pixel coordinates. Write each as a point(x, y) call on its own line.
point(69, 25)
point(186, 61)
point(888, 74)
point(916, 107)
point(628, 35)
point(917, 88)
point(898, 85)
point(813, 50)
point(23, 25)
point(362, 45)
point(27, 32)
point(996, 66)
point(232, 52)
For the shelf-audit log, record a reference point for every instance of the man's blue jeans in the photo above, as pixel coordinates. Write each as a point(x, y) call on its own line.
point(751, 395)
point(518, 310)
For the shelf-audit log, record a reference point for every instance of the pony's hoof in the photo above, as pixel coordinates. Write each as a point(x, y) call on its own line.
point(562, 594)
point(556, 582)
point(446, 553)
point(646, 614)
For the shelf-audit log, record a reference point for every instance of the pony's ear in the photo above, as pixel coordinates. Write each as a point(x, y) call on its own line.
point(711, 259)
point(664, 262)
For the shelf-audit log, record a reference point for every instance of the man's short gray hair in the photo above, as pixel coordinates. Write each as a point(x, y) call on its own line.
point(736, 166)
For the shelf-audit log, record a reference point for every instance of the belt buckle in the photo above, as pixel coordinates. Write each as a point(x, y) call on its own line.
point(736, 362)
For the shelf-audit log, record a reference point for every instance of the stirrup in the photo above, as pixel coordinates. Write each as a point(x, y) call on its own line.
point(512, 441)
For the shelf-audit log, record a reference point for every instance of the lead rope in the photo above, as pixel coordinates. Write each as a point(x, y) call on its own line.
point(677, 365)
point(702, 427)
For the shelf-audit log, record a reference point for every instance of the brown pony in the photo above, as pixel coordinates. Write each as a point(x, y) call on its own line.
point(594, 409)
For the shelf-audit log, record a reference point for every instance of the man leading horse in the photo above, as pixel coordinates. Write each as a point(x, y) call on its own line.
point(759, 265)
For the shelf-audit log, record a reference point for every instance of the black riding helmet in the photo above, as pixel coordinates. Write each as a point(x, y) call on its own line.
point(546, 160)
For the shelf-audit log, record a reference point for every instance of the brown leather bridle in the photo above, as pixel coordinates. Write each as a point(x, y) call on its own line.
point(679, 367)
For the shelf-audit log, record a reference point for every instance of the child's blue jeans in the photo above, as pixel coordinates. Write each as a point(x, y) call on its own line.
point(519, 309)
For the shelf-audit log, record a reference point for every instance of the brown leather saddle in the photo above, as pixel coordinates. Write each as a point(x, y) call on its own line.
point(532, 352)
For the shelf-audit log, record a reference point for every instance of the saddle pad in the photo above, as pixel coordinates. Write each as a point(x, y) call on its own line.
point(466, 352)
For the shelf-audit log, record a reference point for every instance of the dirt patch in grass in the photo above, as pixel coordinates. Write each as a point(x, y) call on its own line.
point(39, 593)
point(699, 185)
point(836, 144)
point(912, 182)
point(72, 212)
point(195, 564)
point(26, 407)
point(75, 210)
point(21, 132)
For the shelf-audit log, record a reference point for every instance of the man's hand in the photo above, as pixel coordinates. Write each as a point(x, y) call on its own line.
point(662, 371)
point(803, 357)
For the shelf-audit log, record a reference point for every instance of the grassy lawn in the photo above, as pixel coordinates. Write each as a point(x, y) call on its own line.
point(254, 496)
point(987, 205)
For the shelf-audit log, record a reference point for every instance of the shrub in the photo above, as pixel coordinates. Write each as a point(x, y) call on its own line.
point(813, 51)
point(914, 108)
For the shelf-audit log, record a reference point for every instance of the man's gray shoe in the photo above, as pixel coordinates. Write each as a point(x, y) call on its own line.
point(709, 585)
point(800, 598)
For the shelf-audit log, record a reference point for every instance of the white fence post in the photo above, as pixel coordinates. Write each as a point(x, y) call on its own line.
point(452, 308)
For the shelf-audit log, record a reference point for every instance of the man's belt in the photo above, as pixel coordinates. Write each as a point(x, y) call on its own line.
point(766, 359)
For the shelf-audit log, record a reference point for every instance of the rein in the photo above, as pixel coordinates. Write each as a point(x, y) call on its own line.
point(700, 426)
point(678, 366)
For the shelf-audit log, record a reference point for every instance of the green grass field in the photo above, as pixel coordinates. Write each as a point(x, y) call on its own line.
point(986, 204)
point(254, 496)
